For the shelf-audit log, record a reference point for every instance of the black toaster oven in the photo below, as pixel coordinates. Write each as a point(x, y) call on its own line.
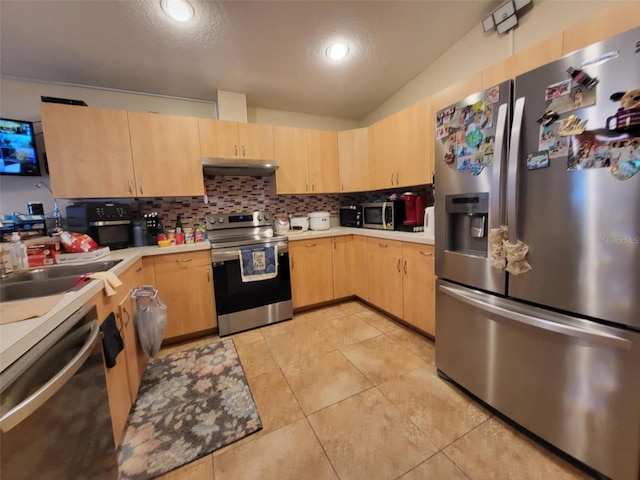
point(351, 216)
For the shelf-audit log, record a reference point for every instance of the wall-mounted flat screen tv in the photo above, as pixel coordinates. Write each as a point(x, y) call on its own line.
point(19, 155)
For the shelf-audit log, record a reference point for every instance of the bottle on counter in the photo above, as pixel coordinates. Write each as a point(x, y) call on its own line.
point(18, 251)
point(178, 225)
point(138, 238)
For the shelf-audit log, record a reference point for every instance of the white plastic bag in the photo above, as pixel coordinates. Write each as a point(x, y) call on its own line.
point(150, 318)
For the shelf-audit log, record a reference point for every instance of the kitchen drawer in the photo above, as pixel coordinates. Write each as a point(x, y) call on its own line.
point(175, 261)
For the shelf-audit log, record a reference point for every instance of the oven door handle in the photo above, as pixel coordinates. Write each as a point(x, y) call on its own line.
point(221, 256)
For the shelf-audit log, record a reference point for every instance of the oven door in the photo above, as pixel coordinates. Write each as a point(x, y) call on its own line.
point(244, 305)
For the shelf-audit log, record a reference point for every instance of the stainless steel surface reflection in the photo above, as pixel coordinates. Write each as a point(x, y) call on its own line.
point(578, 380)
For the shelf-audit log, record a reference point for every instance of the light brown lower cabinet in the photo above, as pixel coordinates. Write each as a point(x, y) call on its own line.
point(385, 274)
point(123, 380)
point(343, 266)
point(418, 286)
point(311, 266)
point(360, 267)
point(185, 285)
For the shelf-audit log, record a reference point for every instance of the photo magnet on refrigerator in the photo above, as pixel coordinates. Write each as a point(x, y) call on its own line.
point(572, 125)
point(537, 160)
point(492, 95)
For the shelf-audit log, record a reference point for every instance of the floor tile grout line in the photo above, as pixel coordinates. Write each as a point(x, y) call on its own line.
point(315, 434)
point(454, 463)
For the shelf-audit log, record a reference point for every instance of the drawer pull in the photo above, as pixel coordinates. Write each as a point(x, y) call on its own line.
point(310, 245)
point(405, 267)
point(138, 270)
point(426, 254)
point(398, 265)
point(383, 245)
point(184, 260)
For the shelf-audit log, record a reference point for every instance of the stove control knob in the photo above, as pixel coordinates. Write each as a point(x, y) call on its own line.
point(220, 219)
point(267, 216)
point(259, 217)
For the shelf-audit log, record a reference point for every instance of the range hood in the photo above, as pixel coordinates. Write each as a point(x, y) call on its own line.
point(238, 167)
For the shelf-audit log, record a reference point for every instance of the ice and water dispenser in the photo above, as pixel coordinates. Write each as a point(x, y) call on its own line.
point(467, 216)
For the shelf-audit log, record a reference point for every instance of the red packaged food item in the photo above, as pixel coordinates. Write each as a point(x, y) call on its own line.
point(77, 242)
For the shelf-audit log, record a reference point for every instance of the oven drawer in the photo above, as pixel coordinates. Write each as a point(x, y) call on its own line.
point(174, 261)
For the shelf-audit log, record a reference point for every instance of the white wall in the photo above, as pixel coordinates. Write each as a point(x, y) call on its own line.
point(302, 120)
point(478, 50)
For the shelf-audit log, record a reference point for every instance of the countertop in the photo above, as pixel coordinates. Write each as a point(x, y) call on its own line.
point(413, 237)
point(18, 337)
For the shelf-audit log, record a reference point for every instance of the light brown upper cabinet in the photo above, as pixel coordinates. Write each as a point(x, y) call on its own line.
point(324, 166)
point(542, 53)
point(400, 148)
point(414, 145)
point(88, 151)
point(353, 155)
point(166, 155)
point(601, 26)
point(97, 153)
point(382, 160)
point(307, 159)
point(223, 139)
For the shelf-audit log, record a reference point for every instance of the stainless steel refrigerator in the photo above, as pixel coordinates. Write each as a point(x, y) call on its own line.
point(556, 348)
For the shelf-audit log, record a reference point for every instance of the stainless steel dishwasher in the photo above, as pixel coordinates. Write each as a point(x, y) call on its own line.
point(55, 421)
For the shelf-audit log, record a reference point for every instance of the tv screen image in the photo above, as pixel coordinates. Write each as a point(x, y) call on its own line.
point(18, 148)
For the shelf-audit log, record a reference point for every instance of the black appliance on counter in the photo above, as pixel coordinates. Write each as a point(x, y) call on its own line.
point(109, 224)
point(153, 226)
point(351, 216)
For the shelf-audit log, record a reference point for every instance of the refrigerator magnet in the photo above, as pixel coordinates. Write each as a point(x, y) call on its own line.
point(626, 170)
point(556, 90)
point(537, 160)
point(492, 95)
point(474, 138)
point(548, 118)
point(450, 152)
point(551, 141)
point(578, 97)
point(590, 150)
point(572, 125)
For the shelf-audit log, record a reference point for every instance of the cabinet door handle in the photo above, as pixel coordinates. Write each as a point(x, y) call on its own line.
point(398, 265)
point(125, 323)
point(208, 276)
point(140, 187)
point(138, 270)
point(306, 187)
point(130, 187)
point(243, 153)
point(397, 178)
point(121, 327)
point(392, 179)
point(342, 187)
point(426, 254)
point(235, 150)
point(405, 267)
point(291, 263)
point(184, 260)
point(313, 187)
point(309, 244)
point(383, 245)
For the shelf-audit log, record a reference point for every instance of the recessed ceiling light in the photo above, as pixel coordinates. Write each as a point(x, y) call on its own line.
point(337, 51)
point(179, 10)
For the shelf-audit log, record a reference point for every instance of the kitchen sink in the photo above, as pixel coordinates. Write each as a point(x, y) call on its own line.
point(35, 288)
point(39, 282)
point(57, 271)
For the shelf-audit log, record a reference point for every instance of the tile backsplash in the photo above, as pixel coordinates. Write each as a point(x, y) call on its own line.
point(245, 194)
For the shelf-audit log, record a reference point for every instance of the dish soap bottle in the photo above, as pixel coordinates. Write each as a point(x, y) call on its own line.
point(18, 251)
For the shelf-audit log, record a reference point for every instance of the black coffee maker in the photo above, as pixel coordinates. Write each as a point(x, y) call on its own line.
point(154, 227)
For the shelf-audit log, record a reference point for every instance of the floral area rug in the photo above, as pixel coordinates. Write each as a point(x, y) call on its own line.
point(189, 404)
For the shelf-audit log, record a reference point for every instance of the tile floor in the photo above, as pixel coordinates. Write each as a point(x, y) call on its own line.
point(346, 393)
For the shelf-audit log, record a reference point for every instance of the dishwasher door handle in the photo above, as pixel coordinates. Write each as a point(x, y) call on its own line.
point(25, 408)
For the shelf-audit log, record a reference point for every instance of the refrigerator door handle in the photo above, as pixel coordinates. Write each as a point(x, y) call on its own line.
point(561, 328)
point(496, 217)
point(512, 175)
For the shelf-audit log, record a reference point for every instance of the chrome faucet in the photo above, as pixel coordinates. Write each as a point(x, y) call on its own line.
point(57, 218)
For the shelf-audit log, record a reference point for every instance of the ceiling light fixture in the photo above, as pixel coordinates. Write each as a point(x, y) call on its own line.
point(180, 10)
point(337, 51)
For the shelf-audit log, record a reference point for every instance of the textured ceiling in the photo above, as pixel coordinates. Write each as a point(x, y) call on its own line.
point(273, 51)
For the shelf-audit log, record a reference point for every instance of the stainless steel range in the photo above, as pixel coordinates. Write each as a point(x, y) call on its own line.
point(242, 305)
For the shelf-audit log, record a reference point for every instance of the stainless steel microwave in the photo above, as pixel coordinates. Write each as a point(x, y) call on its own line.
point(383, 215)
